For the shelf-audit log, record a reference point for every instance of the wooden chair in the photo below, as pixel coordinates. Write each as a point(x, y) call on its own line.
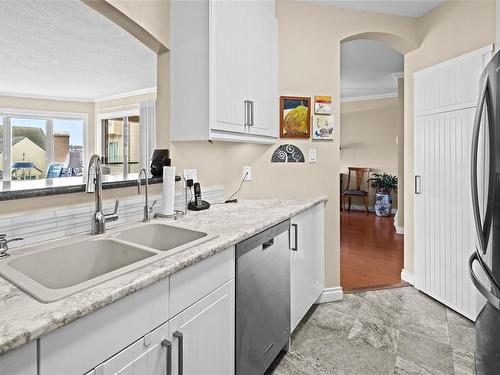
point(357, 192)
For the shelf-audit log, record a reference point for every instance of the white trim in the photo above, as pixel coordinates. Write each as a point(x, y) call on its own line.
point(149, 90)
point(15, 112)
point(235, 137)
point(480, 51)
point(133, 111)
point(361, 207)
point(399, 230)
point(44, 97)
point(331, 295)
point(369, 97)
point(407, 276)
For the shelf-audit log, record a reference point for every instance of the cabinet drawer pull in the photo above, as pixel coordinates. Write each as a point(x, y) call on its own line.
point(180, 366)
point(296, 230)
point(168, 365)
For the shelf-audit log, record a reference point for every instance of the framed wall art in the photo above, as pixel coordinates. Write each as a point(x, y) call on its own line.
point(295, 117)
point(322, 127)
point(322, 105)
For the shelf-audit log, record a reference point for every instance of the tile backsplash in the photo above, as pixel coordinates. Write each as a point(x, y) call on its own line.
point(58, 222)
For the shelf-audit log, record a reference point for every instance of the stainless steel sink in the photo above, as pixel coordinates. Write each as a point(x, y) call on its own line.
point(53, 273)
point(162, 237)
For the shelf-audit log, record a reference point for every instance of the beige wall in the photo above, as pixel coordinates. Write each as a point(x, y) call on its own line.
point(368, 139)
point(401, 153)
point(318, 30)
point(152, 15)
point(454, 28)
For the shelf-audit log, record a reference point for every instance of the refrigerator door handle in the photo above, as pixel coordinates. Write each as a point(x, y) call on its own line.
point(492, 298)
point(483, 229)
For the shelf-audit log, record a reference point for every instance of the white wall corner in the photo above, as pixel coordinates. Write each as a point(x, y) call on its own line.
point(497, 4)
point(408, 277)
point(331, 295)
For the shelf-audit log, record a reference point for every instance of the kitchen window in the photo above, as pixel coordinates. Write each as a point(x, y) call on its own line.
point(126, 138)
point(36, 145)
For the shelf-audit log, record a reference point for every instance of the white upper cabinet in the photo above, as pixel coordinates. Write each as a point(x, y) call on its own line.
point(224, 60)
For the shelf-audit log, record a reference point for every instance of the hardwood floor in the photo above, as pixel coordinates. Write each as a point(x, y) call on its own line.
point(371, 253)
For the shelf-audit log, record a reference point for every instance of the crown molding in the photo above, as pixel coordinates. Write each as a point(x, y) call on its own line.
point(149, 90)
point(369, 97)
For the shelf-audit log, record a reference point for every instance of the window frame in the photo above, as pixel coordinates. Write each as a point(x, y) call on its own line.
point(49, 117)
point(145, 144)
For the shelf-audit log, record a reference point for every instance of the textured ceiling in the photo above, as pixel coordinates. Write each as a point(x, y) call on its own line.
point(64, 49)
point(409, 8)
point(367, 68)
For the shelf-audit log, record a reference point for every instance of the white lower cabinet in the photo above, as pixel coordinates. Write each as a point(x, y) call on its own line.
point(199, 340)
point(146, 356)
point(20, 361)
point(203, 335)
point(307, 272)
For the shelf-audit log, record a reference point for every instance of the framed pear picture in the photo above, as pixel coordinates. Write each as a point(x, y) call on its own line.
point(295, 117)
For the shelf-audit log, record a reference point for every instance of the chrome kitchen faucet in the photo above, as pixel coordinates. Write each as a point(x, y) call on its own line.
point(94, 185)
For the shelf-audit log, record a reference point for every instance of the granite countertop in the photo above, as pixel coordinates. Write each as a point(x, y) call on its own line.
point(23, 319)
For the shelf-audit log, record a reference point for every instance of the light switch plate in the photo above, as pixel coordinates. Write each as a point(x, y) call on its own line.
point(312, 155)
point(247, 173)
point(190, 174)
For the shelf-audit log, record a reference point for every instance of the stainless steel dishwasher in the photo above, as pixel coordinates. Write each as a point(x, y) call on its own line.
point(262, 299)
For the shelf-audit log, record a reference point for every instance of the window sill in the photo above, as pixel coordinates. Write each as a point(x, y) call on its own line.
point(10, 190)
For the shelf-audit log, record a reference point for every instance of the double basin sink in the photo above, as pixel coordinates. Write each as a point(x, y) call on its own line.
point(56, 272)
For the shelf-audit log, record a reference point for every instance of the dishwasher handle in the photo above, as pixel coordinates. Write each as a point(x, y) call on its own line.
point(267, 244)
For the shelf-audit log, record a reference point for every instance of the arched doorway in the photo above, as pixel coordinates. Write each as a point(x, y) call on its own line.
point(371, 137)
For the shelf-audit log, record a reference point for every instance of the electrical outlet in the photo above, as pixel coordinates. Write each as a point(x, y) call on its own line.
point(247, 173)
point(190, 174)
point(312, 155)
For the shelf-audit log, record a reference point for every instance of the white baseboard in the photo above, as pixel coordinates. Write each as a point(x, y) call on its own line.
point(407, 276)
point(361, 207)
point(399, 230)
point(331, 295)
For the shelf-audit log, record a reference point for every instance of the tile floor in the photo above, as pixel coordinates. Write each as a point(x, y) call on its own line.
point(394, 331)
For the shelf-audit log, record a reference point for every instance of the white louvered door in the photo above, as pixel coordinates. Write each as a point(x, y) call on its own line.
point(445, 102)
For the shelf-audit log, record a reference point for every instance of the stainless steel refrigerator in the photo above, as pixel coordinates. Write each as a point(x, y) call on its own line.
point(484, 263)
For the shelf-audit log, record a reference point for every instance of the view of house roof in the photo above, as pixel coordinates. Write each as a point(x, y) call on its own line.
point(34, 134)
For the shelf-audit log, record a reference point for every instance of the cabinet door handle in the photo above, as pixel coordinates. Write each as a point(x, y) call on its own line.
point(180, 366)
point(418, 184)
point(251, 113)
point(168, 366)
point(296, 246)
point(247, 112)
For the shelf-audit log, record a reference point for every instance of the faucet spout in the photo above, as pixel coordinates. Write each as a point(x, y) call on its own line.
point(94, 185)
point(147, 208)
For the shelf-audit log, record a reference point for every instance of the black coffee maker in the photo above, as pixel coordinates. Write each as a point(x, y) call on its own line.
point(159, 160)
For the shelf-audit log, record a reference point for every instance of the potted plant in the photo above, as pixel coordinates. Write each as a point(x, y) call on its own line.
point(383, 184)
